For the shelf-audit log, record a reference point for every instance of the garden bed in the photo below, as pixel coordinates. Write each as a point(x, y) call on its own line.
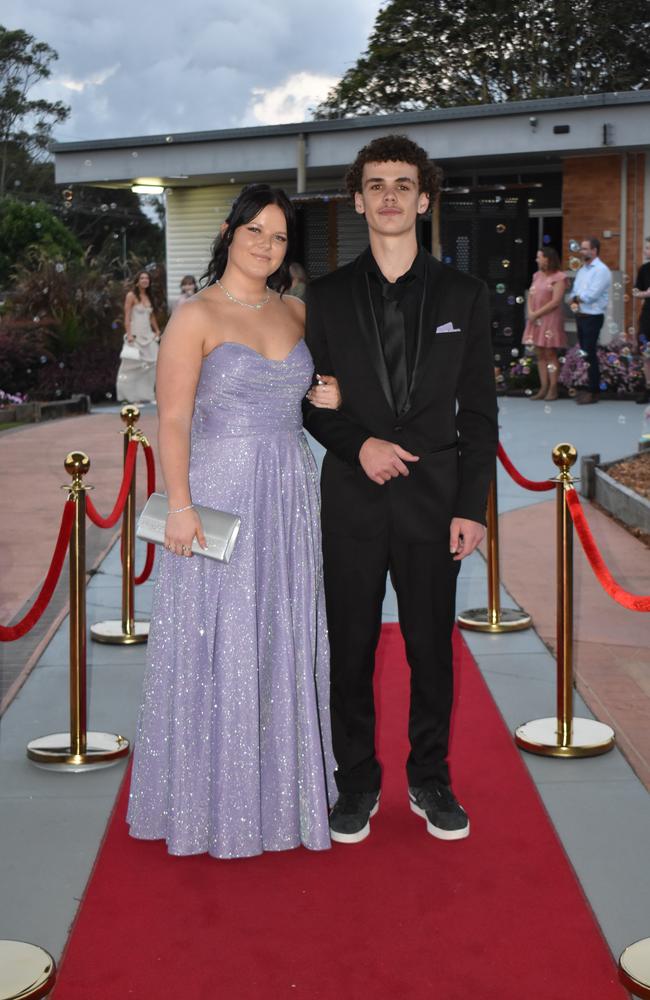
point(622, 488)
point(21, 413)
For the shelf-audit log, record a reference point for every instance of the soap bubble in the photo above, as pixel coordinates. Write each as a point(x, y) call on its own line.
point(507, 331)
point(59, 267)
point(43, 359)
point(134, 155)
point(603, 386)
point(546, 239)
point(511, 300)
point(514, 352)
point(520, 300)
point(621, 419)
point(528, 392)
point(497, 357)
point(495, 324)
point(88, 163)
point(519, 240)
point(547, 408)
point(574, 263)
point(500, 288)
point(505, 263)
point(501, 228)
point(574, 246)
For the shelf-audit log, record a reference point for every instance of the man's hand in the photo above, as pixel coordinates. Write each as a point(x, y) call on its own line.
point(383, 460)
point(464, 536)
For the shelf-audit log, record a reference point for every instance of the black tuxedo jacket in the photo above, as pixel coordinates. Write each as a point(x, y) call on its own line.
point(450, 415)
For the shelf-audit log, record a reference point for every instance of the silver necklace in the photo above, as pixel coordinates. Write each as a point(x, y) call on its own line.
point(248, 305)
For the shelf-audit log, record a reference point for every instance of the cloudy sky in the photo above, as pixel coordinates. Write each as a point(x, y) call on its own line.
point(129, 68)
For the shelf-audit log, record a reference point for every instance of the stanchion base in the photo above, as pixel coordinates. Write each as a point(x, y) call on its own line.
point(480, 620)
point(54, 752)
point(541, 736)
point(634, 969)
point(26, 971)
point(113, 633)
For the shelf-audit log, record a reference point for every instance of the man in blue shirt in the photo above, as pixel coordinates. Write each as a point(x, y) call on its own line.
point(590, 296)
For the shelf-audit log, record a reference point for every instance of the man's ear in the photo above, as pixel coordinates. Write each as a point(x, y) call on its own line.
point(358, 203)
point(423, 202)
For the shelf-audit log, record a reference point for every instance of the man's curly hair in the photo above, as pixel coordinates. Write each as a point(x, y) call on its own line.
point(393, 149)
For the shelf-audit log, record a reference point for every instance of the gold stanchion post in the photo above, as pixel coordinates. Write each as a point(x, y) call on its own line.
point(127, 631)
point(77, 750)
point(27, 972)
point(565, 736)
point(494, 618)
point(634, 969)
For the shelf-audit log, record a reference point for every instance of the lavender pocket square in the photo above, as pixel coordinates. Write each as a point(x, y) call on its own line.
point(447, 328)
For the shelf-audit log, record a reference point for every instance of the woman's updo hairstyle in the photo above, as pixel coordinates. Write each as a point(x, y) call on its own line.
point(250, 202)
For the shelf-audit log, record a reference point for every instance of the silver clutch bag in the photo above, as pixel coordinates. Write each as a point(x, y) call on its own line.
point(129, 352)
point(220, 529)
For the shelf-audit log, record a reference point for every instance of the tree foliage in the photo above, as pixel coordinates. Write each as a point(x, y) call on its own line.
point(23, 227)
point(25, 122)
point(438, 53)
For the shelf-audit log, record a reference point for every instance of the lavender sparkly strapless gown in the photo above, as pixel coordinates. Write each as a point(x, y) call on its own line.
point(233, 754)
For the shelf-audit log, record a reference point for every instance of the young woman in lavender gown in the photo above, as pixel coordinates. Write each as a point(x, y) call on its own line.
point(233, 755)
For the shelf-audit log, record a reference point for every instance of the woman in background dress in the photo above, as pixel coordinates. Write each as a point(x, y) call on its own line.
point(233, 754)
point(545, 326)
point(136, 379)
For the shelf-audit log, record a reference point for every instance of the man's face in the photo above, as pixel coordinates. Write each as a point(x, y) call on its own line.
point(587, 252)
point(390, 197)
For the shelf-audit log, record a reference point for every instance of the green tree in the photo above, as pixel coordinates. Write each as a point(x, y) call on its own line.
point(23, 227)
point(25, 123)
point(437, 53)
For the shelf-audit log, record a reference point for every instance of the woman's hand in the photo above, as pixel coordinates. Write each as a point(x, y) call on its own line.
point(180, 531)
point(326, 395)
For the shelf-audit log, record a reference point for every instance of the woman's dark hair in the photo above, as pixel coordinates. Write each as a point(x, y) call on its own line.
point(250, 202)
point(150, 293)
point(395, 149)
point(553, 258)
point(185, 280)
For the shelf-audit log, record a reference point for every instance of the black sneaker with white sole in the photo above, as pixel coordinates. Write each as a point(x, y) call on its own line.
point(437, 804)
point(350, 817)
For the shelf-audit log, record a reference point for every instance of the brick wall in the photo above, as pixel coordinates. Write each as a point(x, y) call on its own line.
point(591, 204)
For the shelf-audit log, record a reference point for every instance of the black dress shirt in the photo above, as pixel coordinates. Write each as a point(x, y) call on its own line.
point(408, 290)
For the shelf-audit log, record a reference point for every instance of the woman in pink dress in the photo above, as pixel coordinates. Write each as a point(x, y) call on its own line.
point(545, 326)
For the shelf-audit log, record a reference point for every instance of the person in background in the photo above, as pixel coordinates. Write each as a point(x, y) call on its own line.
point(136, 379)
point(589, 299)
point(641, 291)
point(545, 326)
point(299, 281)
point(189, 287)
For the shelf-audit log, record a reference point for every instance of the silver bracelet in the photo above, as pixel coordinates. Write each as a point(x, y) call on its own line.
point(180, 510)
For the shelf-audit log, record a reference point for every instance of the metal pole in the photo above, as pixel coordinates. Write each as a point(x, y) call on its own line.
point(494, 618)
point(127, 631)
point(564, 736)
point(77, 750)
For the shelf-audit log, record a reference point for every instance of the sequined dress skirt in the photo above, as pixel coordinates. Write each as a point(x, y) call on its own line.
point(233, 755)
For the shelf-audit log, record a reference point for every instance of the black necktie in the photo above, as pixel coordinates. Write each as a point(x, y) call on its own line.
point(395, 345)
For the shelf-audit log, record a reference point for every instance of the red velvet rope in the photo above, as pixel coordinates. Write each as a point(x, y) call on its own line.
point(528, 484)
point(11, 632)
point(151, 488)
point(116, 513)
point(635, 602)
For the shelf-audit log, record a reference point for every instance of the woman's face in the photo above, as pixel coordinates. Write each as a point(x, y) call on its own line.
point(188, 288)
point(144, 281)
point(258, 247)
point(542, 261)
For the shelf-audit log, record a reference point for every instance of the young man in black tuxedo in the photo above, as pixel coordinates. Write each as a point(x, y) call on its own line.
point(410, 455)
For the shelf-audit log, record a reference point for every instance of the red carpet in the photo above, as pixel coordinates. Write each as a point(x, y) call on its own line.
point(402, 916)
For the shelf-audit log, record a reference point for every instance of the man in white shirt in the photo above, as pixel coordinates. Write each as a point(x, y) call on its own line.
point(589, 299)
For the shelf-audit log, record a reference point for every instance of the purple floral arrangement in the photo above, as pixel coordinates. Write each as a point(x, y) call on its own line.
point(621, 370)
point(11, 398)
